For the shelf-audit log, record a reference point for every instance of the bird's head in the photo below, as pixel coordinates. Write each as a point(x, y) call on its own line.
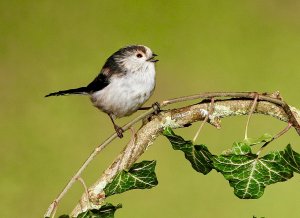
point(133, 58)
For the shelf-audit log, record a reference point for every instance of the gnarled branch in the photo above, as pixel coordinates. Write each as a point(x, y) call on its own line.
point(153, 125)
point(175, 118)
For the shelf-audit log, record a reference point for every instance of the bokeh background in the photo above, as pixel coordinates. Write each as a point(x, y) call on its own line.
point(202, 45)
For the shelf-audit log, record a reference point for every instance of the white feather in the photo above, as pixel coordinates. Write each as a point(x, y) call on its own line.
point(127, 93)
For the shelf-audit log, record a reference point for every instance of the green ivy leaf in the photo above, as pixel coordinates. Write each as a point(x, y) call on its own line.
point(249, 175)
point(139, 176)
point(106, 211)
point(243, 147)
point(292, 158)
point(198, 155)
point(240, 148)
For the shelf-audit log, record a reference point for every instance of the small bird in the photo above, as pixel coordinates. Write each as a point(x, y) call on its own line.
point(124, 84)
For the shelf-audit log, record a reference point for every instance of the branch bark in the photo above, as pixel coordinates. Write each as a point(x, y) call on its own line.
point(178, 118)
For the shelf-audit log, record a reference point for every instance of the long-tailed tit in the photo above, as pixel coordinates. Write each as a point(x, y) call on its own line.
point(124, 83)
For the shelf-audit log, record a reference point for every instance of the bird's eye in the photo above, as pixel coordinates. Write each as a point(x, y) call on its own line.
point(139, 55)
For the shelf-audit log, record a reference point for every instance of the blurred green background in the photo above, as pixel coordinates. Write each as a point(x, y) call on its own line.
point(229, 45)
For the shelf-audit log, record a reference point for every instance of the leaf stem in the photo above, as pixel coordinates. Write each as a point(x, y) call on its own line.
point(211, 107)
point(250, 114)
point(84, 186)
point(282, 132)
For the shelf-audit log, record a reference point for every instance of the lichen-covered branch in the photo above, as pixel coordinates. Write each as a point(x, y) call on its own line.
point(178, 118)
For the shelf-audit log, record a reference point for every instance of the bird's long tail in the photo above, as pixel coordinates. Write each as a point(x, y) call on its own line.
point(81, 90)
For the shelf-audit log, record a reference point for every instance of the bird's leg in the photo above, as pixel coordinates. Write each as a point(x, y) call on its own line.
point(118, 129)
point(156, 107)
point(144, 108)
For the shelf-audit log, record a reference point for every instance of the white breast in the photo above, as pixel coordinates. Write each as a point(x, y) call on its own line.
point(125, 94)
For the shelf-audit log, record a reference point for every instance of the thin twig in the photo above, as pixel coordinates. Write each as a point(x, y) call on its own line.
point(54, 209)
point(211, 107)
point(250, 95)
point(98, 149)
point(250, 114)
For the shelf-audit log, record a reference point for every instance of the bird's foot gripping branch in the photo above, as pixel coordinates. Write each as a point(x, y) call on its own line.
point(248, 172)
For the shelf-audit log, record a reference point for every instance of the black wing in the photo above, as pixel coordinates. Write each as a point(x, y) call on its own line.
point(110, 68)
point(100, 82)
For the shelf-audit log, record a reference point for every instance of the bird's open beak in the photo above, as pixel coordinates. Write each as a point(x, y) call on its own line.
point(152, 59)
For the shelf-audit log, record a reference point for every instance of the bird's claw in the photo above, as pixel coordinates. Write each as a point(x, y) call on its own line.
point(156, 108)
point(119, 131)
